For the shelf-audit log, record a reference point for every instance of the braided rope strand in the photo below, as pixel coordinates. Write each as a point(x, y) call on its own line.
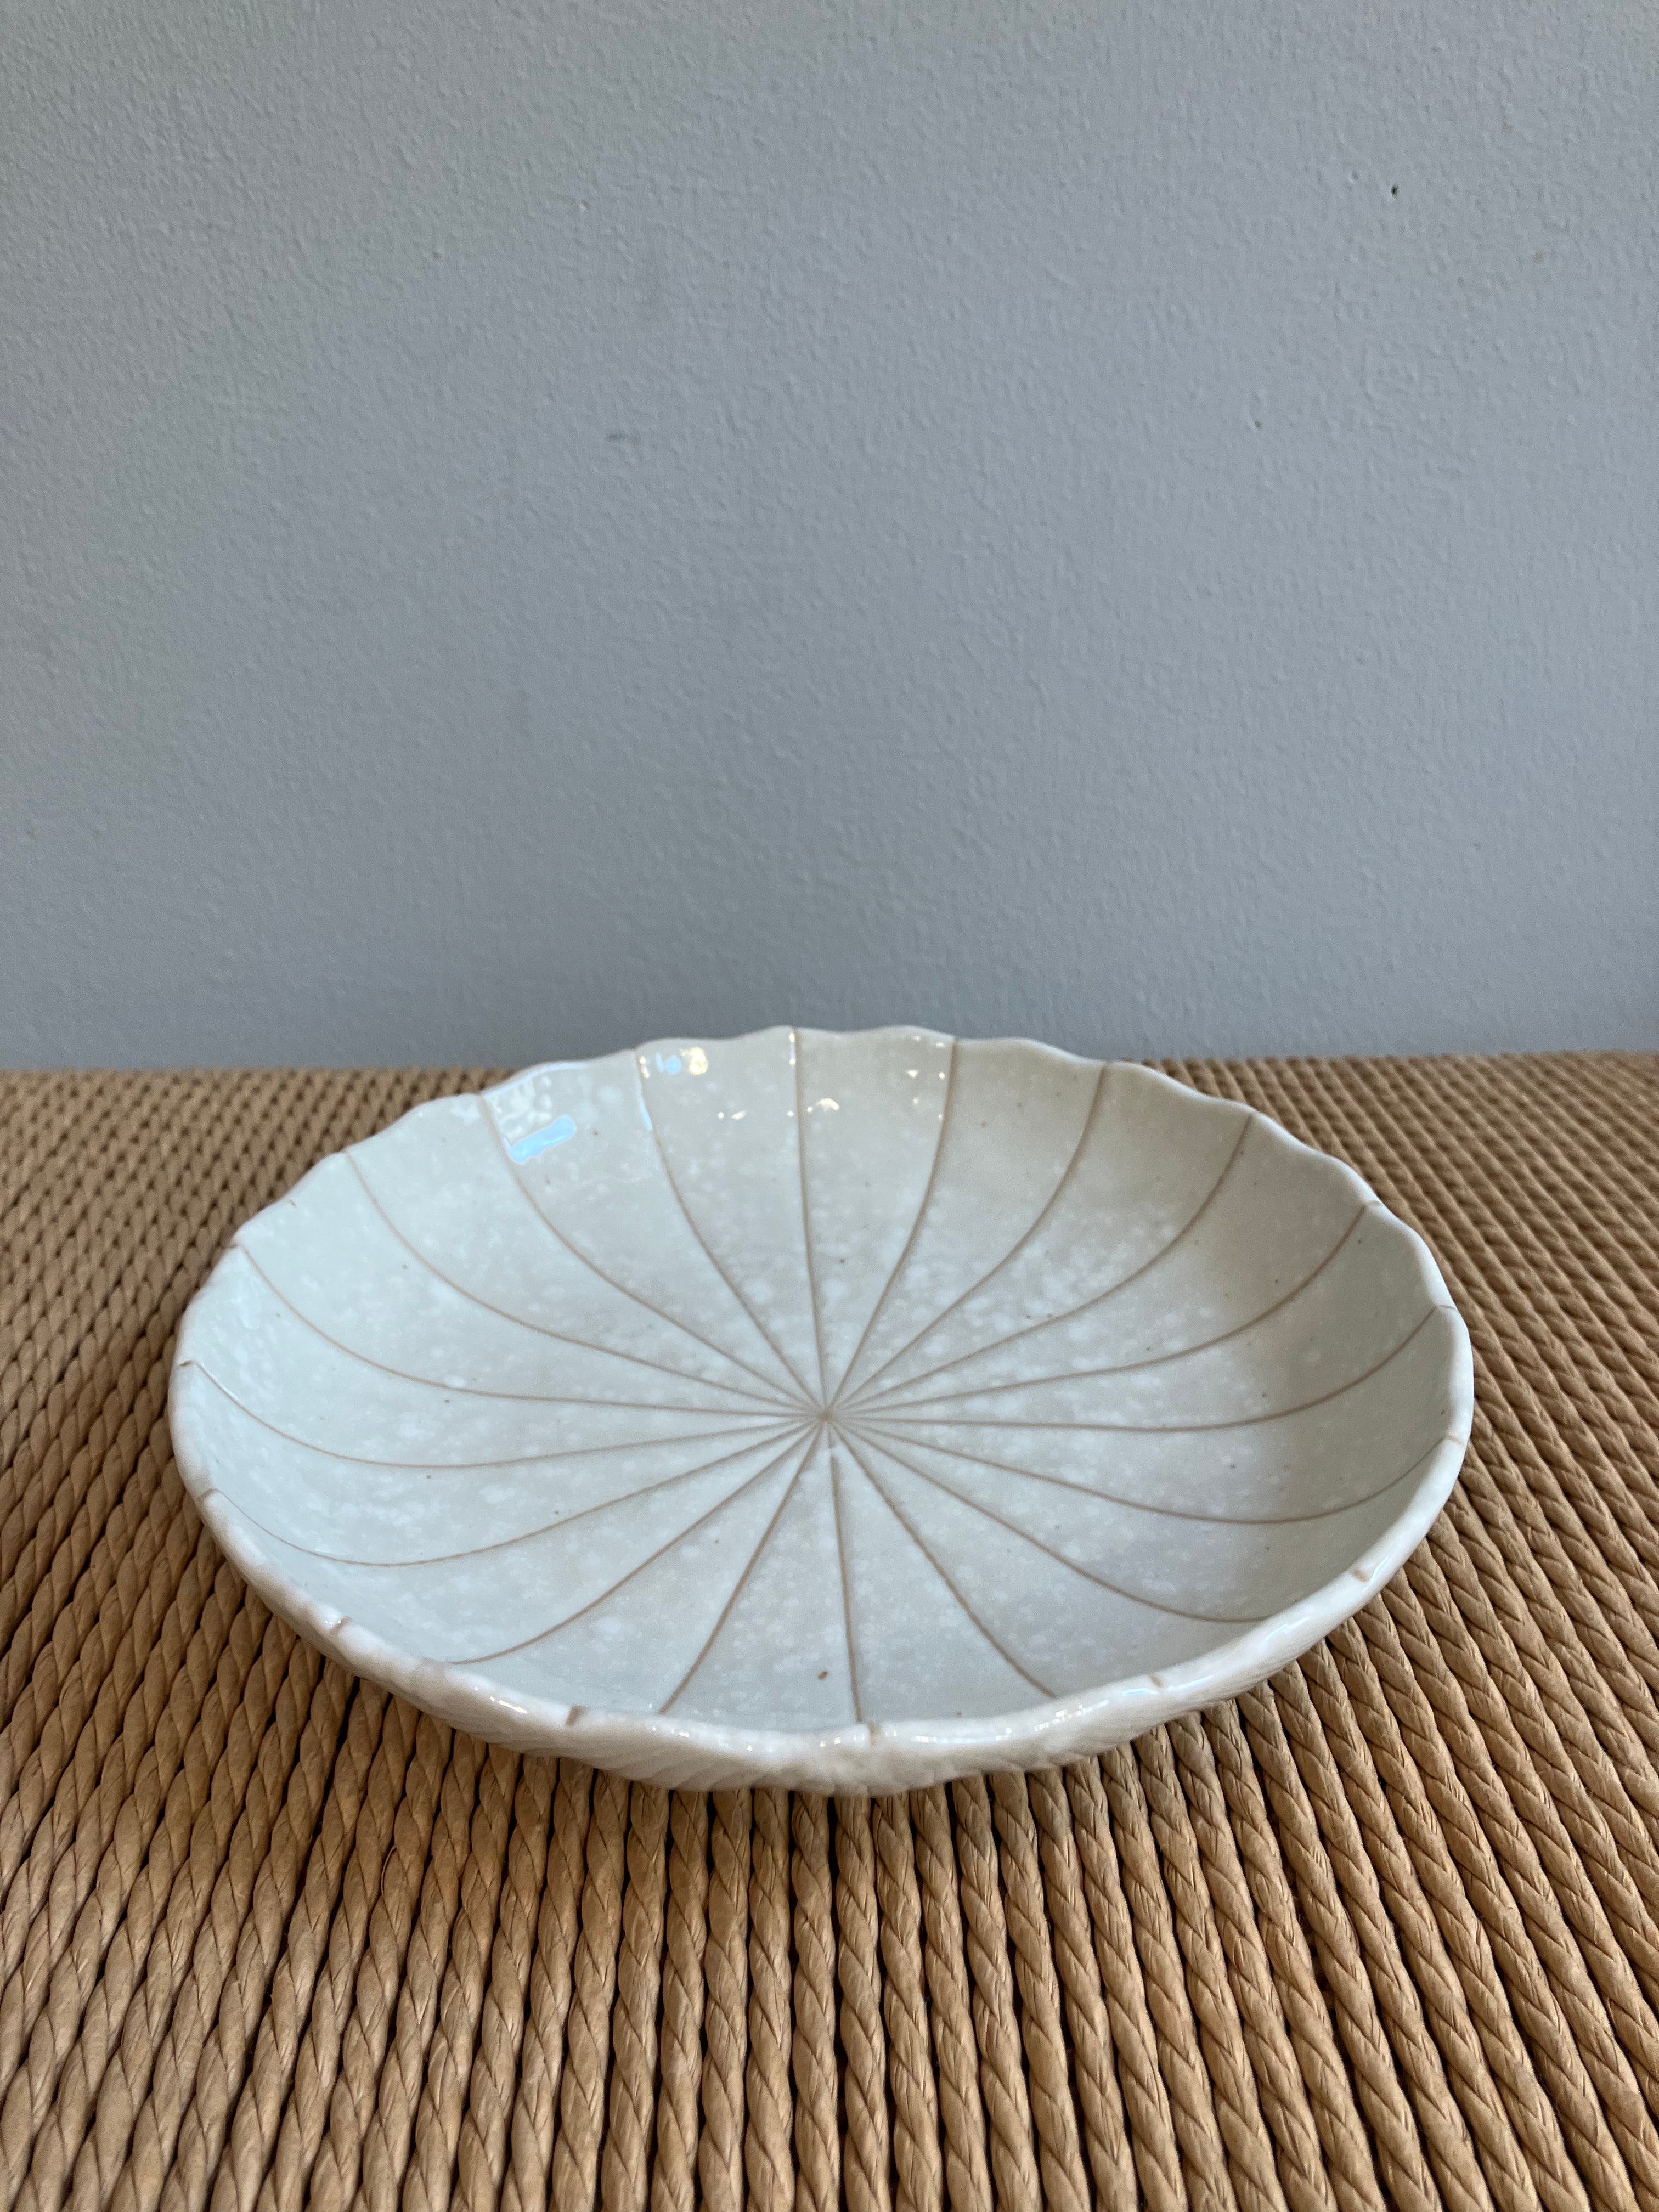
point(868, 2145)
point(674, 2179)
point(720, 2145)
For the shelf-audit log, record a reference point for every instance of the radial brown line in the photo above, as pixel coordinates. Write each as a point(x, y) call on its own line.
point(899, 1264)
point(1117, 1590)
point(1171, 1512)
point(1131, 1366)
point(702, 1242)
point(469, 1389)
point(795, 1056)
point(742, 1583)
point(846, 1584)
point(506, 1543)
point(1088, 1304)
point(691, 1527)
point(466, 1465)
point(519, 1321)
point(903, 1519)
point(1175, 1429)
point(610, 1281)
point(1011, 1254)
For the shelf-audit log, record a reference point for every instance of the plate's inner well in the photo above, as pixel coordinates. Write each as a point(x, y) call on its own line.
point(806, 1379)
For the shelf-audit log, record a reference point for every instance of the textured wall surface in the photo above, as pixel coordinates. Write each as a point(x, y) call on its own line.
point(530, 526)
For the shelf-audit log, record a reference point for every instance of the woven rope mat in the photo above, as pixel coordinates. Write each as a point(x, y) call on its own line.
point(1384, 1933)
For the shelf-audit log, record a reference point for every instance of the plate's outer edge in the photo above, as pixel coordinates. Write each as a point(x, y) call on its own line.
point(868, 1757)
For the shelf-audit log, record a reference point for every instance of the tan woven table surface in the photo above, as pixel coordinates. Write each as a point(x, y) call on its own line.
point(1383, 1933)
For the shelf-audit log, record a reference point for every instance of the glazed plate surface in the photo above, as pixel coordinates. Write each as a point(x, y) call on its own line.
point(842, 1411)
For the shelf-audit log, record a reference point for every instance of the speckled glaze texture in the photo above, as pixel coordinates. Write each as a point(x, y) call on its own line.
point(841, 1410)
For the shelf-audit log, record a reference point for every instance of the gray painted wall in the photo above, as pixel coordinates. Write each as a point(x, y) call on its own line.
point(530, 526)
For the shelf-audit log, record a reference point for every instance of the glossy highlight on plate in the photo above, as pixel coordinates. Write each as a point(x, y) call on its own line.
point(847, 1410)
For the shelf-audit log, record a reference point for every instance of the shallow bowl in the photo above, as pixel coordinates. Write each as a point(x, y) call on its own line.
point(842, 1411)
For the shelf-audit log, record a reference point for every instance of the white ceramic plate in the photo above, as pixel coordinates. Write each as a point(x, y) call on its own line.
point(850, 1412)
